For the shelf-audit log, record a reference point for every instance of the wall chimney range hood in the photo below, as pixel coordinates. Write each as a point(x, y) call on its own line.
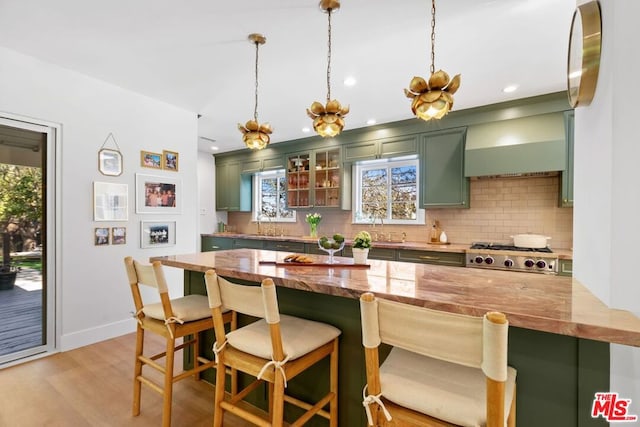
point(526, 146)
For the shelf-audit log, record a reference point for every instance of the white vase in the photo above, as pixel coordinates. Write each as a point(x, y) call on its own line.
point(360, 255)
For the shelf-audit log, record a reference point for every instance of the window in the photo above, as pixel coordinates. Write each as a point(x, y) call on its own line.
point(387, 190)
point(270, 197)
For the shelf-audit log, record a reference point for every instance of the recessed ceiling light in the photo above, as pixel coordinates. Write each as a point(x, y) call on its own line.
point(510, 88)
point(306, 130)
point(350, 81)
point(371, 122)
point(214, 148)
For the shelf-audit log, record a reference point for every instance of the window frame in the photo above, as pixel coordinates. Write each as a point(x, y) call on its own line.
point(256, 211)
point(389, 163)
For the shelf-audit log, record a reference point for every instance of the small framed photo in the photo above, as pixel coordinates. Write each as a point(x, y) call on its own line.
point(156, 234)
point(101, 236)
point(150, 160)
point(118, 235)
point(110, 201)
point(157, 194)
point(110, 162)
point(170, 160)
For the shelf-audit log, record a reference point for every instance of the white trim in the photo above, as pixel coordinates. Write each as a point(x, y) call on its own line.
point(97, 334)
point(278, 173)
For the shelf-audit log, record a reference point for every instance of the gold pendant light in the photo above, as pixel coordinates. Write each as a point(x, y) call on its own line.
point(328, 120)
point(256, 135)
point(432, 99)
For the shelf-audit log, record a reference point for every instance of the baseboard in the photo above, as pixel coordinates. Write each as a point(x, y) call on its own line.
point(97, 334)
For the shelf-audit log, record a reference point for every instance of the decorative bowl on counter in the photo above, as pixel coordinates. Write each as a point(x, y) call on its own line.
point(331, 245)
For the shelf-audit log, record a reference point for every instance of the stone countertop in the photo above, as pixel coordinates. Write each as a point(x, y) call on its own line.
point(559, 305)
point(566, 254)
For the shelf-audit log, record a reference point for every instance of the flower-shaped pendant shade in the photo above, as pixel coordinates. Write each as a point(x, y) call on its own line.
point(256, 135)
point(328, 120)
point(432, 99)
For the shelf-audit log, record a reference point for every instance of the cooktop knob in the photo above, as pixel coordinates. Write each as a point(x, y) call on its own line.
point(541, 264)
point(508, 263)
point(478, 259)
point(529, 263)
point(488, 260)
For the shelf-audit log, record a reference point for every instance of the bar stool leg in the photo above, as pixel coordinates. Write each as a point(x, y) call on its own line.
point(333, 386)
point(168, 384)
point(137, 371)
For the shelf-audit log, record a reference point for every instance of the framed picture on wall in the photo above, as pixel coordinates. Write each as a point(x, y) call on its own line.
point(118, 235)
point(170, 160)
point(110, 162)
point(158, 194)
point(110, 201)
point(101, 236)
point(156, 234)
point(150, 160)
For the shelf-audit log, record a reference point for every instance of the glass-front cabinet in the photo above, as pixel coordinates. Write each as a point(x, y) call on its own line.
point(313, 179)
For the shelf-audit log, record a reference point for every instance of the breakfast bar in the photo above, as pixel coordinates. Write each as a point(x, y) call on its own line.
point(558, 340)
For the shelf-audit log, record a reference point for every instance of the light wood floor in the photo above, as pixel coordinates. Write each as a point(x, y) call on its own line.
point(92, 386)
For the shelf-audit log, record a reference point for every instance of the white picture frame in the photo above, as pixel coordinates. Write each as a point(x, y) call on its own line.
point(157, 234)
point(158, 194)
point(110, 201)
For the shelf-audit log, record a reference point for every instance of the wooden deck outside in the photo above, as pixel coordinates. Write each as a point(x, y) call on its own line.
point(21, 324)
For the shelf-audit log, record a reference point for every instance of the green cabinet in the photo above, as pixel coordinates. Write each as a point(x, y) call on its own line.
point(250, 166)
point(443, 183)
point(314, 179)
point(382, 148)
point(565, 267)
point(278, 245)
point(233, 189)
point(211, 243)
point(432, 257)
point(566, 178)
point(374, 253)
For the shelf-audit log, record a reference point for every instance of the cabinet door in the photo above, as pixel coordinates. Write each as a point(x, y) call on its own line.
point(233, 190)
point(247, 244)
point(222, 202)
point(566, 185)
point(251, 166)
point(299, 180)
point(399, 147)
point(367, 150)
point(271, 163)
point(326, 183)
point(443, 180)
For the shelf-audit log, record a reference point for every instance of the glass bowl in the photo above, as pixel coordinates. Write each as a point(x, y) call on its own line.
point(330, 246)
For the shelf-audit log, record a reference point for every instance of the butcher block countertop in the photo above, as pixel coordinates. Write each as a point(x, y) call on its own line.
point(548, 303)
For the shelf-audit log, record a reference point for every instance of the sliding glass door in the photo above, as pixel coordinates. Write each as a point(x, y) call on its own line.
point(27, 309)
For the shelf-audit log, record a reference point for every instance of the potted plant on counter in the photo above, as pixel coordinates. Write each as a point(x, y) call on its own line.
point(361, 245)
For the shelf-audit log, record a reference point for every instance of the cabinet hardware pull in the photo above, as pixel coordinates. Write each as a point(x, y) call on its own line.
point(215, 247)
point(429, 257)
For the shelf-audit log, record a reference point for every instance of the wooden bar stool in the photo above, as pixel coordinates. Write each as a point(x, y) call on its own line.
point(444, 369)
point(274, 349)
point(172, 319)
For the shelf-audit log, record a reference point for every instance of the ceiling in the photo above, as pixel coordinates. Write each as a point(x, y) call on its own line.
point(195, 54)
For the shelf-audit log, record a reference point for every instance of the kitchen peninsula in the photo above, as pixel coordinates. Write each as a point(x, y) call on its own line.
point(558, 339)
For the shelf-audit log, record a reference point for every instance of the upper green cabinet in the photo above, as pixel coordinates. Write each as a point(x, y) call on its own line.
point(381, 148)
point(259, 165)
point(314, 178)
point(442, 168)
point(566, 179)
point(233, 189)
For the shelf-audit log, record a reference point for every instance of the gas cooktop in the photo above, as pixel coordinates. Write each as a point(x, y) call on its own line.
point(501, 257)
point(504, 247)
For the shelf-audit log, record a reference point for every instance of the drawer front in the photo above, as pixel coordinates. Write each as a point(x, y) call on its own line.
point(247, 244)
point(209, 243)
point(313, 248)
point(374, 253)
point(432, 257)
point(284, 246)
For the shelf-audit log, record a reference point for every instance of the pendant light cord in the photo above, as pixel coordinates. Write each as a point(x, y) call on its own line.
point(255, 110)
point(433, 36)
point(329, 58)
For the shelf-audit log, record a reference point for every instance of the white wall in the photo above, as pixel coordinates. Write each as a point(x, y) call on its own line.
point(607, 202)
point(94, 295)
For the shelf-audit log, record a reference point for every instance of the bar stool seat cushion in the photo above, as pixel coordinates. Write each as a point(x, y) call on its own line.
point(443, 390)
point(187, 309)
point(299, 337)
